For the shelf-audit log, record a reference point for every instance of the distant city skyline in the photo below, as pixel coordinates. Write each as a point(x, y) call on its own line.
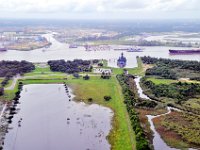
point(100, 9)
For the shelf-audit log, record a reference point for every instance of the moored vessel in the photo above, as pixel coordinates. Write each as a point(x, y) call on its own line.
point(3, 49)
point(191, 51)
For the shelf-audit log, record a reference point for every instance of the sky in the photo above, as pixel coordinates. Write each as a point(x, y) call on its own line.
point(100, 9)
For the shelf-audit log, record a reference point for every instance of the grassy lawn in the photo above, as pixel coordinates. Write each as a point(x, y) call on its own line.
point(42, 71)
point(161, 81)
point(9, 94)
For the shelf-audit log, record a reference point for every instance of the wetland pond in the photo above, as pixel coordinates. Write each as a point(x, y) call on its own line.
point(47, 118)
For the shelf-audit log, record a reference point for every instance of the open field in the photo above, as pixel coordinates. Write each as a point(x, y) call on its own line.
point(161, 81)
point(169, 81)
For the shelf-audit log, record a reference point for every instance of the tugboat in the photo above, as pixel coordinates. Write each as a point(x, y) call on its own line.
point(121, 62)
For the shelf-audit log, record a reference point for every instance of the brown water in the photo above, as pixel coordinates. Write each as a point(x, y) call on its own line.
point(51, 122)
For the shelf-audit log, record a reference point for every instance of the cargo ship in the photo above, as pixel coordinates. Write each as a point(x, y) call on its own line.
point(73, 46)
point(192, 51)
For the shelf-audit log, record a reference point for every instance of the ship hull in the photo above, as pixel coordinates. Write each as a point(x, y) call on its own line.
point(184, 51)
point(3, 49)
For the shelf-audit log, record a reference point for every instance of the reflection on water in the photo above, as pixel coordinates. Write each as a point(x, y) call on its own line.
point(47, 120)
point(61, 51)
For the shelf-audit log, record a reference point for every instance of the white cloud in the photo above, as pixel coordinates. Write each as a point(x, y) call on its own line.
point(93, 7)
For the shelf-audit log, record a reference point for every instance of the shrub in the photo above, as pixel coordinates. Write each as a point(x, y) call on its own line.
point(1, 91)
point(86, 77)
point(107, 98)
point(90, 99)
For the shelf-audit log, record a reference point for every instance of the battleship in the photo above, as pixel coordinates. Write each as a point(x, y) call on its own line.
point(191, 51)
point(3, 49)
point(121, 62)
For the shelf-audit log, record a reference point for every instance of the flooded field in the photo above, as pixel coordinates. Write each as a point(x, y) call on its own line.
point(47, 118)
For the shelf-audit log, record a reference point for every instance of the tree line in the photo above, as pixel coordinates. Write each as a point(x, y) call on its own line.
point(12, 68)
point(130, 101)
point(178, 91)
point(71, 67)
point(9, 69)
point(172, 63)
point(171, 69)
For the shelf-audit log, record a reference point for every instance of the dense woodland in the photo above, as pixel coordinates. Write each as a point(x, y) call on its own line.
point(12, 68)
point(130, 99)
point(172, 69)
point(9, 69)
point(71, 67)
point(177, 91)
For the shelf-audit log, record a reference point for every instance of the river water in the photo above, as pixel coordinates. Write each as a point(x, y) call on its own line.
point(47, 120)
point(61, 51)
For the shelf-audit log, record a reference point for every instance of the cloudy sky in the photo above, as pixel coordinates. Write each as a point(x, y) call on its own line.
point(103, 9)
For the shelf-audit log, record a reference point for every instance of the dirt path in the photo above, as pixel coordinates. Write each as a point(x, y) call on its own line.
point(12, 86)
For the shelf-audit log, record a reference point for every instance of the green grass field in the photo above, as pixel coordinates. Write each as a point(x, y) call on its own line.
point(161, 81)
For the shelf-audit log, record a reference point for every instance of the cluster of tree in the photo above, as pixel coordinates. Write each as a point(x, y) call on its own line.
point(71, 67)
point(195, 78)
point(177, 91)
point(5, 81)
point(149, 43)
point(105, 75)
point(146, 104)
point(95, 61)
point(86, 77)
point(11, 68)
point(100, 64)
point(163, 71)
point(170, 63)
point(107, 98)
point(130, 101)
